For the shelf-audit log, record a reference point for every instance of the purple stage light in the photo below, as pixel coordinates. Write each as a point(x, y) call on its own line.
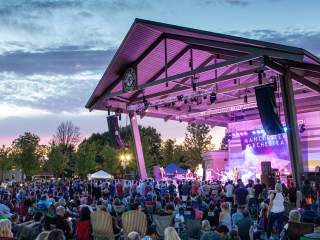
point(238, 134)
point(234, 135)
point(254, 132)
point(245, 133)
point(285, 129)
point(241, 134)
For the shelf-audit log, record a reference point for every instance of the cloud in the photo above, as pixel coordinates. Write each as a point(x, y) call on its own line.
point(308, 40)
point(64, 60)
point(54, 93)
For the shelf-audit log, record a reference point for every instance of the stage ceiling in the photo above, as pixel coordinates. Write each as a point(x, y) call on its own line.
point(178, 73)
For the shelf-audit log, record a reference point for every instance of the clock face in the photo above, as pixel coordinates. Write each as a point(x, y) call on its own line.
point(129, 80)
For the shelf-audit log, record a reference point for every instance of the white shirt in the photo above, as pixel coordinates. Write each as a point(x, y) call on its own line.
point(229, 190)
point(278, 203)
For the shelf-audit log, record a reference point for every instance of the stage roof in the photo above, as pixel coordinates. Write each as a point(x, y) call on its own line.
point(176, 69)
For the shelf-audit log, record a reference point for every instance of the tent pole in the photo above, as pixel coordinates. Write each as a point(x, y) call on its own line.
point(138, 146)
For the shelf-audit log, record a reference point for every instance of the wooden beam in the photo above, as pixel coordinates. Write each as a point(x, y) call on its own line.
point(118, 80)
point(161, 71)
point(292, 55)
point(203, 83)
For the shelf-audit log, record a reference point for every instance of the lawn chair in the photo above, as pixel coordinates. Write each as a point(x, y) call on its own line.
point(162, 222)
point(101, 223)
point(134, 220)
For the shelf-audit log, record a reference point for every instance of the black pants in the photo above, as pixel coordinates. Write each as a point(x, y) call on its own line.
point(275, 217)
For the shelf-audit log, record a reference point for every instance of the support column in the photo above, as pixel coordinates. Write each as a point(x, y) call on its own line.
point(138, 146)
point(292, 126)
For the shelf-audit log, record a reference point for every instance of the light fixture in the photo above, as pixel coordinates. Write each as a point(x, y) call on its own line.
point(109, 113)
point(260, 78)
point(213, 97)
point(156, 107)
point(189, 108)
point(302, 128)
point(245, 99)
point(180, 98)
point(185, 101)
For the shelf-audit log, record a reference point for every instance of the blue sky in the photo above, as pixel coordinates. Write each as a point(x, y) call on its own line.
point(53, 53)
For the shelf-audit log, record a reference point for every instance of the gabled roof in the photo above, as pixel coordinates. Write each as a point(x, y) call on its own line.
point(144, 47)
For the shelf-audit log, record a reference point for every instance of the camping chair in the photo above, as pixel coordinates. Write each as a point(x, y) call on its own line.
point(297, 230)
point(193, 228)
point(162, 222)
point(134, 220)
point(101, 223)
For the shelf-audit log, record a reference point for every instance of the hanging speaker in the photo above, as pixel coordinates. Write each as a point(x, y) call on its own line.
point(267, 106)
point(114, 131)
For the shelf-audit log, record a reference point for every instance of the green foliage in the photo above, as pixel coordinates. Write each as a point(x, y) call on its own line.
point(26, 154)
point(5, 161)
point(85, 159)
point(110, 157)
point(197, 141)
point(57, 160)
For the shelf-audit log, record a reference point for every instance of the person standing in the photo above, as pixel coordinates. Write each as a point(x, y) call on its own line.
point(276, 210)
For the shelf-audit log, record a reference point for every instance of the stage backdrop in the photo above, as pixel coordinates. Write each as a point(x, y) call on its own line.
point(246, 152)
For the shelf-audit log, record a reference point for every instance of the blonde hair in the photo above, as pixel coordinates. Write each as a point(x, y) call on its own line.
point(5, 228)
point(171, 234)
point(294, 216)
point(133, 236)
point(225, 207)
point(205, 225)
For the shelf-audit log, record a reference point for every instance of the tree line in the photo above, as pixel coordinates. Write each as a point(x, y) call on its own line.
point(66, 155)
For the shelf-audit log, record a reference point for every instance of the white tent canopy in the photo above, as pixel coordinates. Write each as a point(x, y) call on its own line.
point(100, 175)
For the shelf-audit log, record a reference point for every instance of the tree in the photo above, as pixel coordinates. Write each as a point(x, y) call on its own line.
point(57, 160)
point(197, 141)
point(224, 143)
point(168, 151)
point(5, 161)
point(26, 154)
point(85, 158)
point(111, 161)
point(67, 134)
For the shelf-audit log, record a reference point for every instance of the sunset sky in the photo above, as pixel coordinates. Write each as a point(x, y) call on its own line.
point(53, 53)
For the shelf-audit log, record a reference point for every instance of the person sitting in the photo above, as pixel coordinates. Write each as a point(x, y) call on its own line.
point(220, 233)
point(294, 229)
point(205, 227)
point(151, 233)
point(244, 225)
point(171, 234)
point(61, 222)
point(83, 226)
point(133, 236)
point(56, 234)
point(234, 235)
point(237, 216)
point(225, 216)
point(5, 230)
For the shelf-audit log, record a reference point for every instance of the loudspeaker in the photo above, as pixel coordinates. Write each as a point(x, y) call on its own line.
point(115, 131)
point(266, 168)
point(268, 180)
point(267, 106)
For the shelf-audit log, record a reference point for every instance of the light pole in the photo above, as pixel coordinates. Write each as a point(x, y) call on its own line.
point(124, 161)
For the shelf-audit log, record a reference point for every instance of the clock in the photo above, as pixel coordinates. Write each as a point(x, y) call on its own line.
point(129, 80)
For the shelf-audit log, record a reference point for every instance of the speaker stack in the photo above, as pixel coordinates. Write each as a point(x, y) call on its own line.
point(266, 174)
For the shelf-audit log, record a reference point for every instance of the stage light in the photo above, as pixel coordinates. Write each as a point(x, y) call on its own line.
point(285, 129)
point(245, 99)
point(258, 132)
point(302, 128)
point(241, 134)
point(235, 81)
point(119, 116)
point(156, 107)
point(263, 131)
point(245, 133)
point(254, 132)
point(185, 101)
point(260, 78)
point(189, 108)
point(109, 111)
point(238, 134)
point(234, 135)
point(213, 97)
point(180, 98)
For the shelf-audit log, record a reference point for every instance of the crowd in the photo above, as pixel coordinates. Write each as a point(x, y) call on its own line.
point(170, 210)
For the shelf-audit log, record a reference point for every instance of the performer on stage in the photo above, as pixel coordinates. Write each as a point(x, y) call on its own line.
point(235, 175)
point(162, 172)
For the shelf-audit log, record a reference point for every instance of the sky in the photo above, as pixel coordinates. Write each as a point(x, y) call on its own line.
point(53, 53)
